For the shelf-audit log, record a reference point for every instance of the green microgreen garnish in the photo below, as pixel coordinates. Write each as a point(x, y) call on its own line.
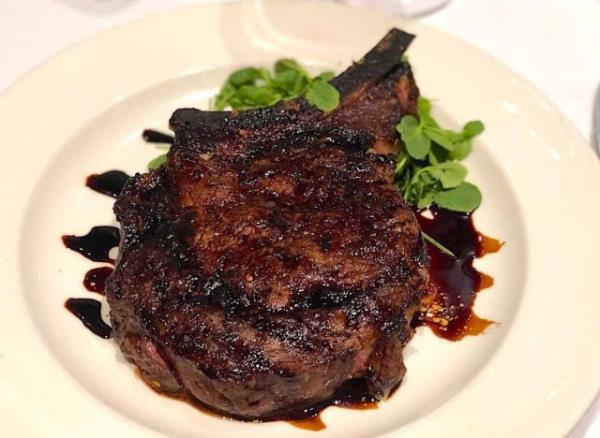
point(428, 170)
point(437, 244)
point(254, 87)
point(157, 162)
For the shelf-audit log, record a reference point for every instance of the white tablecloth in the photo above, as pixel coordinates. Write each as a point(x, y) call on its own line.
point(555, 44)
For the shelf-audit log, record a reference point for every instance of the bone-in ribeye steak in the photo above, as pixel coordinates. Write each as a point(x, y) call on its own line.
point(272, 259)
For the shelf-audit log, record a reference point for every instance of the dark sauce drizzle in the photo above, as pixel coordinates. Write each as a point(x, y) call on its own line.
point(454, 282)
point(109, 183)
point(353, 394)
point(96, 244)
point(95, 279)
point(152, 136)
point(88, 312)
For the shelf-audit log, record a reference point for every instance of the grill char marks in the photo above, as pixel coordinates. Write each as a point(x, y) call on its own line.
point(272, 258)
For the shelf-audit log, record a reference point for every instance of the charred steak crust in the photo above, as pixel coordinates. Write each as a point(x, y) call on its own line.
point(272, 258)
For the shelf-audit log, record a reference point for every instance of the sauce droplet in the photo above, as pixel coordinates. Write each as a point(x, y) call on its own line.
point(95, 279)
point(488, 245)
point(96, 244)
point(476, 325)
point(88, 312)
point(454, 281)
point(314, 424)
point(152, 136)
point(485, 282)
point(109, 183)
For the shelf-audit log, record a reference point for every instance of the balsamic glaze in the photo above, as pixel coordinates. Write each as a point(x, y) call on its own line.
point(313, 424)
point(109, 183)
point(95, 279)
point(88, 312)
point(152, 136)
point(353, 394)
point(453, 281)
point(96, 244)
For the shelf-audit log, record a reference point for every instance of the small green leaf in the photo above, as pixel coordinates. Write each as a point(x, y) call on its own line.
point(408, 125)
point(244, 76)
point(464, 198)
point(325, 76)
point(253, 96)
point(429, 175)
point(290, 65)
point(440, 136)
point(472, 128)
point(425, 200)
point(222, 99)
point(235, 102)
point(265, 75)
point(438, 154)
point(411, 132)
point(451, 174)
point(424, 110)
point(424, 106)
point(323, 95)
point(157, 162)
point(422, 186)
point(289, 83)
point(461, 150)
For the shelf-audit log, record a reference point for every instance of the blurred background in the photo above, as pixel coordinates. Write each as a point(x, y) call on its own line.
point(554, 44)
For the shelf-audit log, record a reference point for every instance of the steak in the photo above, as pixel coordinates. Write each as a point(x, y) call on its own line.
point(272, 259)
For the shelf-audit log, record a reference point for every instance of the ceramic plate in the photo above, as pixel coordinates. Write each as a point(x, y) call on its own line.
point(532, 374)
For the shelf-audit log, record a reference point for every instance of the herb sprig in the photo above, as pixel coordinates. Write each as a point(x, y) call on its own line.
point(255, 87)
point(428, 169)
point(155, 163)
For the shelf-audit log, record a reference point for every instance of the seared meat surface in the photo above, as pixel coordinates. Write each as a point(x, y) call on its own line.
point(272, 259)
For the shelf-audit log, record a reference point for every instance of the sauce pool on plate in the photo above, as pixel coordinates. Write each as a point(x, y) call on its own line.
point(453, 280)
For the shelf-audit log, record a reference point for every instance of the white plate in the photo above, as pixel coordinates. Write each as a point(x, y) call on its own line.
point(82, 112)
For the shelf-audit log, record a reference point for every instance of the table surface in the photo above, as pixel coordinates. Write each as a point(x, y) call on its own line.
point(554, 44)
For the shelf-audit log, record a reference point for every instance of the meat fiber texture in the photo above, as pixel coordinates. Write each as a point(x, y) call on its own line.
point(272, 258)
